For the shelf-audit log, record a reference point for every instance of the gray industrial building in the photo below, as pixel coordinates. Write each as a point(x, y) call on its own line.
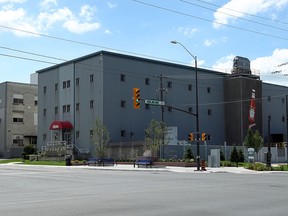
point(18, 118)
point(72, 95)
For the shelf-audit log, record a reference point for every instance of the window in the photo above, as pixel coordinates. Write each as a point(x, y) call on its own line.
point(169, 109)
point(189, 87)
point(18, 99)
point(44, 89)
point(123, 103)
point(283, 100)
point(283, 118)
point(77, 106)
point(77, 134)
point(209, 112)
point(122, 77)
point(208, 89)
point(91, 78)
point(35, 100)
point(17, 120)
point(91, 103)
point(147, 81)
point(68, 108)
point(147, 106)
point(169, 84)
point(91, 133)
point(18, 140)
point(44, 112)
point(77, 81)
point(269, 98)
point(123, 133)
point(44, 137)
point(56, 110)
point(68, 84)
point(64, 84)
point(56, 86)
point(190, 109)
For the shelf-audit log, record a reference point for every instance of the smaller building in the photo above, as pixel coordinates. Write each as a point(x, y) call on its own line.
point(18, 118)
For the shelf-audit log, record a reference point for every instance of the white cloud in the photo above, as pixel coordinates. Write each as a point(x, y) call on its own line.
point(209, 42)
point(263, 66)
point(252, 7)
point(107, 31)
point(268, 64)
point(111, 5)
point(48, 4)
point(187, 31)
point(224, 64)
point(12, 1)
point(48, 16)
point(87, 12)
point(77, 27)
point(17, 19)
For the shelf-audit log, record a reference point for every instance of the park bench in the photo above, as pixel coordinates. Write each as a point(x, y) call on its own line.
point(144, 162)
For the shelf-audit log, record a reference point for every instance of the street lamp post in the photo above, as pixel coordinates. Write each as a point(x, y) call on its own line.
point(197, 105)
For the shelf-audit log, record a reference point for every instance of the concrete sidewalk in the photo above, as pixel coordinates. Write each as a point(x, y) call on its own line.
point(191, 170)
point(119, 167)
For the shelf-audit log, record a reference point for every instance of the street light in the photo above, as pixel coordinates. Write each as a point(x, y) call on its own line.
point(197, 105)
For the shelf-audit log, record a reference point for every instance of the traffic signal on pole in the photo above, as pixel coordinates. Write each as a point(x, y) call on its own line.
point(136, 98)
point(190, 137)
point(204, 137)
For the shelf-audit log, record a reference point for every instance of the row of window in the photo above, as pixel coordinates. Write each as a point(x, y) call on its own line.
point(20, 101)
point(66, 84)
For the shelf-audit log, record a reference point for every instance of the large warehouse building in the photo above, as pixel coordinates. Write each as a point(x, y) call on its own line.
point(72, 95)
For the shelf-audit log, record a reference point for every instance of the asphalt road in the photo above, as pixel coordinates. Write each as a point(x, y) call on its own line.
point(66, 191)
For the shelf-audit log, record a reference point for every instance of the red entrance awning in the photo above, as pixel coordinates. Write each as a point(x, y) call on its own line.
point(61, 125)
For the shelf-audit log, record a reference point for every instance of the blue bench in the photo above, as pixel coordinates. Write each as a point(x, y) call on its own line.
point(144, 162)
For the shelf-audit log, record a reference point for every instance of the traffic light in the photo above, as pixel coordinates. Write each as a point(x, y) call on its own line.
point(136, 98)
point(190, 137)
point(204, 137)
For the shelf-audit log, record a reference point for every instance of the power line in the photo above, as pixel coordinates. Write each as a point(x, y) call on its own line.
point(238, 11)
point(207, 20)
point(30, 59)
point(231, 15)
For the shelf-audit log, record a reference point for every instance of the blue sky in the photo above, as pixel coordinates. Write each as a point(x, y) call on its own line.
point(38, 34)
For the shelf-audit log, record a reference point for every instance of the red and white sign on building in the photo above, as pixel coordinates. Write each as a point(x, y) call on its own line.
point(252, 110)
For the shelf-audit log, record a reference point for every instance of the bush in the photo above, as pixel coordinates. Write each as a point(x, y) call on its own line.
point(234, 157)
point(189, 154)
point(28, 150)
point(258, 167)
point(240, 156)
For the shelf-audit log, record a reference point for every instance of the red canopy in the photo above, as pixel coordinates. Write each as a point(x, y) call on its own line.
point(60, 125)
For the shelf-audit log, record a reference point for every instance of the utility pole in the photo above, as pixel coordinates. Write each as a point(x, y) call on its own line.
point(161, 89)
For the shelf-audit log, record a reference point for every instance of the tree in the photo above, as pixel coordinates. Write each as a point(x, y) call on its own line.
point(253, 140)
point(234, 156)
point(28, 150)
point(222, 157)
point(241, 157)
point(189, 154)
point(100, 137)
point(155, 135)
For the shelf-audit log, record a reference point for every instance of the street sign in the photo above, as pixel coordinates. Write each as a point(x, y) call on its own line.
point(155, 102)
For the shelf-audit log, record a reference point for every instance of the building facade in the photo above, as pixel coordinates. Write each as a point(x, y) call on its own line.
point(72, 95)
point(18, 118)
